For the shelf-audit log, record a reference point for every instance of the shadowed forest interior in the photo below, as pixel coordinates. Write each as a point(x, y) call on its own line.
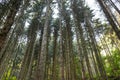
point(59, 40)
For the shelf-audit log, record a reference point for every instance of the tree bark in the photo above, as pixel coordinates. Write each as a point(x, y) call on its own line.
point(109, 17)
point(9, 22)
point(44, 44)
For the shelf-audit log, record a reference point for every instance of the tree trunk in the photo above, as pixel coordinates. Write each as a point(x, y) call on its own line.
point(109, 17)
point(44, 45)
point(54, 77)
point(30, 45)
point(9, 22)
point(91, 34)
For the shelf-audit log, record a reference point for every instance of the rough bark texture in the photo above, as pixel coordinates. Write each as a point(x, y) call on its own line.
point(9, 22)
point(44, 45)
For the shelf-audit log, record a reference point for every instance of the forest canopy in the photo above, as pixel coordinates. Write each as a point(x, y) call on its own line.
point(59, 40)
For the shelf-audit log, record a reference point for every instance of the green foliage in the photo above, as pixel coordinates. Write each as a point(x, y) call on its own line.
point(116, 58)
point(7, 76)
point(112, 63)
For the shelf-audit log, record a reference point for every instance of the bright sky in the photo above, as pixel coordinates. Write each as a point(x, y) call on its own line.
point(94, 6)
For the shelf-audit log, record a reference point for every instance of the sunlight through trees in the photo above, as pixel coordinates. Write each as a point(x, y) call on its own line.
point(59, 40)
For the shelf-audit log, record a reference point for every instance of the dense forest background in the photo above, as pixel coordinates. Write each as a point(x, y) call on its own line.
point(59, 40)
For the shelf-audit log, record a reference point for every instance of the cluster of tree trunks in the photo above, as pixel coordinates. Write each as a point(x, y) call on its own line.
point(49, 51)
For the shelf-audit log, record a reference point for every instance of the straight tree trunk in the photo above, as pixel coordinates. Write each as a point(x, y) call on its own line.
point(54, 77)
point(109, 17)
point(38, 56)
point(7, 57)
point(9, 22)
point(83, 41)
point(30, 45)
point(29, 73)
point(80, 55)
point(44, 44)
point(91, 34)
